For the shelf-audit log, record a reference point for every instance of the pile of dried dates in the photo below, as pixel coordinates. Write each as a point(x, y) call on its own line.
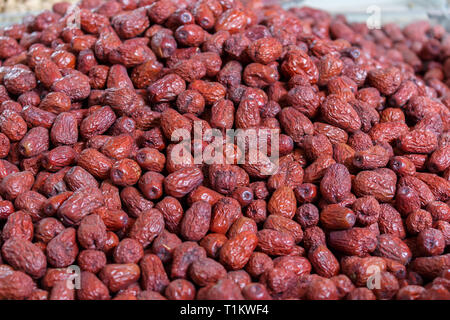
point(102, 193)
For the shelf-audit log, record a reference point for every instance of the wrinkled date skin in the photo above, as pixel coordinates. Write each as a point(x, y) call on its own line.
point(111, 157)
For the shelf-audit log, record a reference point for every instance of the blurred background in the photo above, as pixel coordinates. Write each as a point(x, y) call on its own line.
point(20, 6)
point(399, 11)
point(12, 11)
